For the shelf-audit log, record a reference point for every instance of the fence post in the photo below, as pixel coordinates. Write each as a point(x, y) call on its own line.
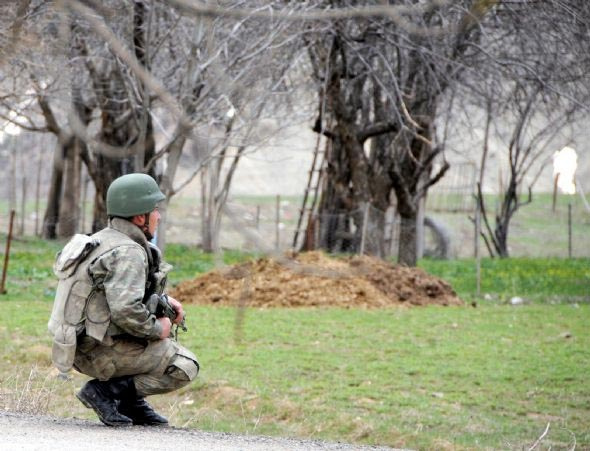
point(365, 225)
point(420, 228)
point(569, 230)
point(476, 245)
point(21, 230)
point(277, 221)
point(7, 253)
point(554, 202)
point(38, 190)
point(12, 202)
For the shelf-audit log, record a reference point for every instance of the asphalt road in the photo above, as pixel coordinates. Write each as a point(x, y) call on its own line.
point(43, 433)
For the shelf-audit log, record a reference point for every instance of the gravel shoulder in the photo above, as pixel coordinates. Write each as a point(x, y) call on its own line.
point(30, 432)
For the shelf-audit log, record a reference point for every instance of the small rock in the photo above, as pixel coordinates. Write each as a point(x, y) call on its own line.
point(516, 300)
point(438, 394)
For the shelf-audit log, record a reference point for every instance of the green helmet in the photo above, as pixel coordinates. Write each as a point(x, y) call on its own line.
point(133, 194)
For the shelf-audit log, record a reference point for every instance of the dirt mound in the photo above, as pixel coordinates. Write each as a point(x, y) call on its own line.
point(313, 279)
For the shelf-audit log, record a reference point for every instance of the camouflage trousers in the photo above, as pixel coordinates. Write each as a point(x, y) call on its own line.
point(158, 366)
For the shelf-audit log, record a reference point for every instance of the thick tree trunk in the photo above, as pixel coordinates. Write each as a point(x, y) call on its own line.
point(172, 163)
point(335, 214)
point(108, 169)
point(407, 241)
point(69, 209)
point(412, 176)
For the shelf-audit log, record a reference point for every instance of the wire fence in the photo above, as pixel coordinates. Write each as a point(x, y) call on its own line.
point(540, 229)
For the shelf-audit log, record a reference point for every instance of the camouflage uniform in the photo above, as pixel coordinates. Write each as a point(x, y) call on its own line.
point(131, 344)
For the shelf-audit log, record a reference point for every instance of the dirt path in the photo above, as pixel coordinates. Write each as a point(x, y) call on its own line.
point(42, 433)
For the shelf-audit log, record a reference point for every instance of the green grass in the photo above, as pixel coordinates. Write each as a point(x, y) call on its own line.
point(542, 279)
point(490, 377)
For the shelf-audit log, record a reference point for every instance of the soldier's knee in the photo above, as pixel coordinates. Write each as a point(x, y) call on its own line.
point(183, 368)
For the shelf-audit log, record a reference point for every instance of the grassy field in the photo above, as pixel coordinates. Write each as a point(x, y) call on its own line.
point(490, 377)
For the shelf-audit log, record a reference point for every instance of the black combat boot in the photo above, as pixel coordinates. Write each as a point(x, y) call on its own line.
point(104, 397)
point(141, 413)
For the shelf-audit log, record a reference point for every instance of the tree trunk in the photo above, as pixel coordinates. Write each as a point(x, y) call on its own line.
point(69, 209)
point(205, 223)
point(172, 162)
point(210, 237)
point(407, 240)
point(51, 217)
point(340, 224)
point(108, 169)
point(412, 165)
point(507, 209)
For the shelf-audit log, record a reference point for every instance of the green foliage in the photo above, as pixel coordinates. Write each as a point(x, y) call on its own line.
point(29, 275)
point(535, 279)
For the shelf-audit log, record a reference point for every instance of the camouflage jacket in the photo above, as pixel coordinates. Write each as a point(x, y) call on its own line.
point(123, 276)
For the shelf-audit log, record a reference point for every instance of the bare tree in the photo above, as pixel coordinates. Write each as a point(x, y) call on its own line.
point(379, 87)
point(230, 80)
point(535, 86)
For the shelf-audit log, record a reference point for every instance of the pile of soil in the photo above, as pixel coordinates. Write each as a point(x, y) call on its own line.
point(313, 279)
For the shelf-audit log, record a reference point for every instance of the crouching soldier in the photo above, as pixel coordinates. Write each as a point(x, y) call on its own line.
point(100, 322)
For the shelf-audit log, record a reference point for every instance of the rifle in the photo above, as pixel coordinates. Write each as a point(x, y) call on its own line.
point(158, 305)
point(155, 300)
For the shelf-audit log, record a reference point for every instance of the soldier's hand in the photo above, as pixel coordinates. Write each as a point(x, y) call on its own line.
point(166, 326)
point(177, 306)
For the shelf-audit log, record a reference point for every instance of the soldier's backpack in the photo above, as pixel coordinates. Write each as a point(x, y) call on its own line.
point(67, 315)
point(80, 304)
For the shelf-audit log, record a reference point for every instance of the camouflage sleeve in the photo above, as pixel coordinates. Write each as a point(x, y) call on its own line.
point(124, 286)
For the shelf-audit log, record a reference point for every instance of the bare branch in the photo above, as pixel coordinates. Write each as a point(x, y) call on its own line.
point(399, 14)
point(144, 75)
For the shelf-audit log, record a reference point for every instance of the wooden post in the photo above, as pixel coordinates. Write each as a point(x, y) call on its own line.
point(38, 191)
point(21, 228)
point(569, 230)
point(420, 228)
point(316, 233)
point(7, 253)
point(364, 230)
point(204, 227)
point(476, 245)
point(277, 221)
point(555, 192)
point(310, 239)
point(257, 219)
point(394, 240)
point(23, 206)
point(12, 186)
